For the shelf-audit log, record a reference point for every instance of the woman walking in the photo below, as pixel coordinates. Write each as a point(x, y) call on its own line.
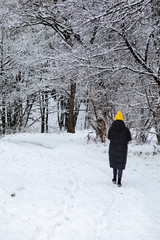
point(119, 136)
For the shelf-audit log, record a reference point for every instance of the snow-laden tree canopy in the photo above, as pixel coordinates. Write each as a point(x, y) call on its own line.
point(104, 54)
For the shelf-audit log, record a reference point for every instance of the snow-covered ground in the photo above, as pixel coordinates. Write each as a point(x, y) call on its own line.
point(58, 187)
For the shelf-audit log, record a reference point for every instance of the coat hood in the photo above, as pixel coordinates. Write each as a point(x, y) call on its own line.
point(118, 125)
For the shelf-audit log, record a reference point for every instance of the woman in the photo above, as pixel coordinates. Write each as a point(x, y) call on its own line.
point(119, 136)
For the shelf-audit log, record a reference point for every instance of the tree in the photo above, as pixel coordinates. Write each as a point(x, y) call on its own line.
point(102, 53)
point(132, 33)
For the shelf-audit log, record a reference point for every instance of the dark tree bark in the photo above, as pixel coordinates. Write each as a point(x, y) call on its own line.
point(3, 115)
point(71, 120)
point(46, 106)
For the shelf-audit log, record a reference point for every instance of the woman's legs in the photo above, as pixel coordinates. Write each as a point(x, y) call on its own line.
point(116, 172)
point(119, 177)
point(120, 173)
point(114, 175)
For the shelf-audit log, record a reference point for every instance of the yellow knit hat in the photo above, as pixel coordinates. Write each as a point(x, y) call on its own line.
point(118, 116)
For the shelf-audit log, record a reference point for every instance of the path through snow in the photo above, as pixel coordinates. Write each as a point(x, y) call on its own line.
point(63, 190)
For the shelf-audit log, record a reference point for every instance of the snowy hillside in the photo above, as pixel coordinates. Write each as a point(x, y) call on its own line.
point(58, 187)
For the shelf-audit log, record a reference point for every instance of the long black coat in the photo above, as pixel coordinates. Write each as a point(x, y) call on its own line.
point(119, 136)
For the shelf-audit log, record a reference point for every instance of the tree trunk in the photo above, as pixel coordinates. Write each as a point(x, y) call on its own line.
point(71, 121)
point(43, 115)
point(46, 105)
point(20, 119)
point(3, 115)
point(157, 121)
point(158, 138)
point(61, 110)
point(28, 109)
point(9, 117)
point(42, 111)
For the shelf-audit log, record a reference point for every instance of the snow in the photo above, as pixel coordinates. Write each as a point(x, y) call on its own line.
point(62, 190)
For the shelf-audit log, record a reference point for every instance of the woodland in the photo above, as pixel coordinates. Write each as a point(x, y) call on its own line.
point(68, 56)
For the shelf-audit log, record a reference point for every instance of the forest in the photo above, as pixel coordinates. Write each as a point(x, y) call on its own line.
point(63, 57)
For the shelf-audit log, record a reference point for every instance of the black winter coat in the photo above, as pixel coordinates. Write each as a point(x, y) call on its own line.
point(119, 136)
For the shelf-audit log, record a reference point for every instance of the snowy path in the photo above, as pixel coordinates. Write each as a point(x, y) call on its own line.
point(63, 190)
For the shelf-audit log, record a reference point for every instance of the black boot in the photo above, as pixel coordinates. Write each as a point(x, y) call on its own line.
point(119, 182)
point(114, 179)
